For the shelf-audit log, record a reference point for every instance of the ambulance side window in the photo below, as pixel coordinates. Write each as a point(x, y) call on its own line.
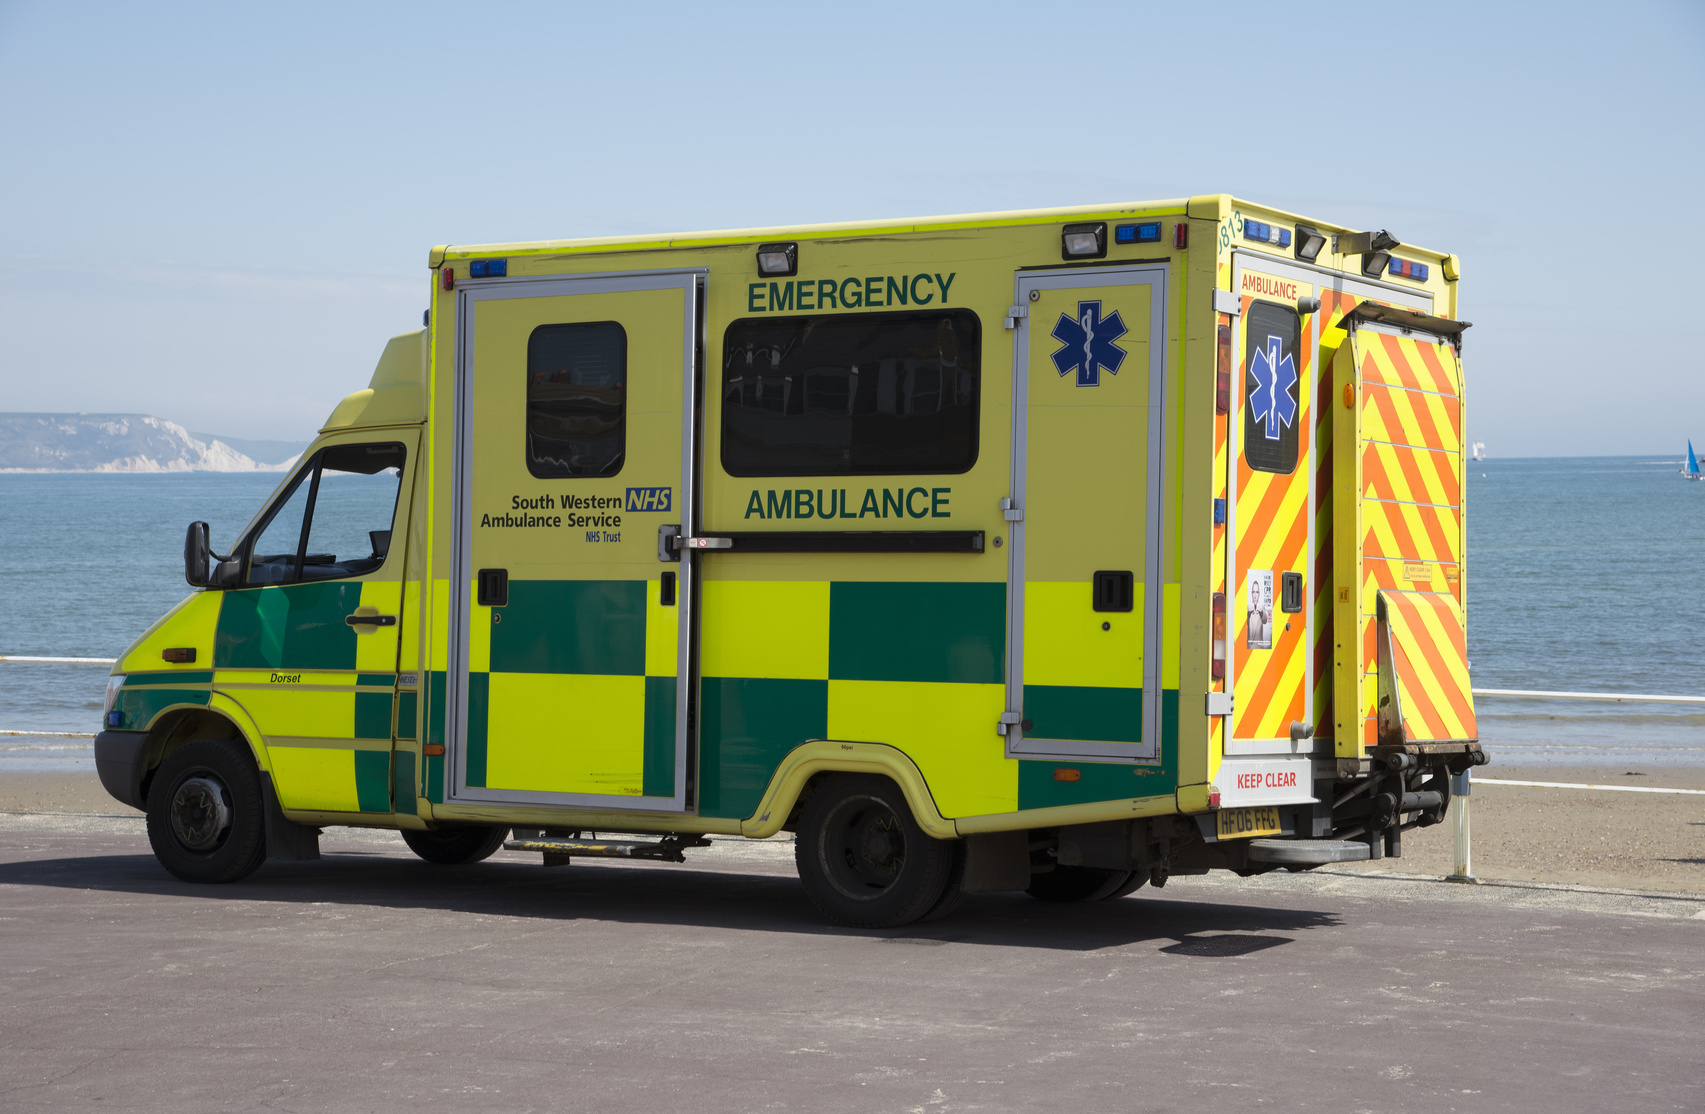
point(851, 394)
point(335, 518)
point(1272, 387)
point(577, 378)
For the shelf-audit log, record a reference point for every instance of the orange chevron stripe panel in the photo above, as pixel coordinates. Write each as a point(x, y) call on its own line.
point(1272, 533)
point(1399, 416)
point(1412, 544)
point(1427, 636)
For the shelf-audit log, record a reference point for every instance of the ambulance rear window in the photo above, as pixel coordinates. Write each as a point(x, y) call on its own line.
point(1272, 387)
point(577, 378)
point(851, 394)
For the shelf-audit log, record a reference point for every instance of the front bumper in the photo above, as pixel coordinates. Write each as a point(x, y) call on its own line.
point(119, 762)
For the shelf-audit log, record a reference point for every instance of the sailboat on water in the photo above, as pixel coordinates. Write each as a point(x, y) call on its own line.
point(1479, 451)
point(1691, 472)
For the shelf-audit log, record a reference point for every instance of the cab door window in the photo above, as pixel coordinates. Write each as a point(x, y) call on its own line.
point(334, 520)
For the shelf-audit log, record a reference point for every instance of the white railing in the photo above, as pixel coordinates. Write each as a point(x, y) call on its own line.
point(24, 659)
point(1620, 697)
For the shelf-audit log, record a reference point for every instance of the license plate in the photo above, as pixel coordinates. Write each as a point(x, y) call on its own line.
point(1245, 823)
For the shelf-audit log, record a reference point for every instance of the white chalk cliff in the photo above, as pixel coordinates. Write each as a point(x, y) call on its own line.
point(115, 443)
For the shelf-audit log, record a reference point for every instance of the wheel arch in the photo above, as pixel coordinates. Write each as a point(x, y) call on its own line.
point(171, 729)
point(809, 763)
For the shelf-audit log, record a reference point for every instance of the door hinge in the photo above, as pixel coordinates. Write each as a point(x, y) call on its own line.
point(1008, 719)
point(1011, 512)
point(1227, 301)
point(1219, 704)
point(1014, 313)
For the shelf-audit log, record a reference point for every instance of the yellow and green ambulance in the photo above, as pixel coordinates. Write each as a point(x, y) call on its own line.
point(1053, 551)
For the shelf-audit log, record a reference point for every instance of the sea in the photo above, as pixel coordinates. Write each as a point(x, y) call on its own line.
point(1578, 578)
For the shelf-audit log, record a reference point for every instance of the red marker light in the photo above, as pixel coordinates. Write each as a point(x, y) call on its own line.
point(448, 277)
point(1180, 236)
point(1218, 669)
point(1222, 371)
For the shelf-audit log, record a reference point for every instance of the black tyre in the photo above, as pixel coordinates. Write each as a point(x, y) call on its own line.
point(1077, 883)
point(206, 817)
point(864, 860)
point(953, 894)
point(456, 846)
point(1137, 880)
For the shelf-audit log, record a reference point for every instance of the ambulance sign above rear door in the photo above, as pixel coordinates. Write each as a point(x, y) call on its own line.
point(1271, 485)
point(1083, 659)
point(572, 406)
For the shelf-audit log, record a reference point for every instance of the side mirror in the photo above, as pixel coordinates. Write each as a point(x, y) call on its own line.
point(197, 555)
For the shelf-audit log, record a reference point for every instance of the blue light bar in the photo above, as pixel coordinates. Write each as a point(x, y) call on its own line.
point(1266, 234)
point(488, 268)
point(1404, 268)
point(1137, 233)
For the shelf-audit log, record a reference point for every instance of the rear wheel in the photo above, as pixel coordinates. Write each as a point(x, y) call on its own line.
point(206, 818)
point(1131, 885)
point(455, 846)
point(863, 859)
point(1078, 883)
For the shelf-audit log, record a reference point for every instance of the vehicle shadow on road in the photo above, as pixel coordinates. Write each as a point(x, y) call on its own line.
point(678, 895)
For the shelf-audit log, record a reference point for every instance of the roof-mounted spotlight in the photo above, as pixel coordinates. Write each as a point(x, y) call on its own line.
point(778, 260)
point(1084, 241)
point(1309, 242)
point(1373, 247)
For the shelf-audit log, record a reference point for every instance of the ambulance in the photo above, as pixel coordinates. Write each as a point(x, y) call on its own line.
point(1057, 551)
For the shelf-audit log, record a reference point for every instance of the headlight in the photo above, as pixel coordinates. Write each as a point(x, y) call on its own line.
point(114, 683)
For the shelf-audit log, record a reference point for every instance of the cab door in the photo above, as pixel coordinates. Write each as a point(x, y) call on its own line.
point(307, 641)
point(1084, 588)
point(573, 411)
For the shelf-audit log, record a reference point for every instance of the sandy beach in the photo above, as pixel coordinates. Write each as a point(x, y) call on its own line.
point(1574, 836)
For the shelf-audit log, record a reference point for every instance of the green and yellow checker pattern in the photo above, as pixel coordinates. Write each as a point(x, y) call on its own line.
point(320, 692)
point(916, 665)
point(571, 689)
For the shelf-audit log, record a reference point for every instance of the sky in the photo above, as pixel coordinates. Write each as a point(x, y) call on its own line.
point(218, 213)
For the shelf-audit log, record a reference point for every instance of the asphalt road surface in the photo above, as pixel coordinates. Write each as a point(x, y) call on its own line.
point(372, 981)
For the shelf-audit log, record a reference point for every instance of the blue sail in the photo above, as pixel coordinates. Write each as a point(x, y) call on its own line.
point(1692, 461)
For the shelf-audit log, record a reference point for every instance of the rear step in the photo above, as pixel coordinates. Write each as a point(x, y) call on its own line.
point(1307, 852)
point(558, 850)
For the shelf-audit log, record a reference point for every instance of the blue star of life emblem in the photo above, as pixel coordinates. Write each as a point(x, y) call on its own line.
point(1087, 344)
point(1271, 401)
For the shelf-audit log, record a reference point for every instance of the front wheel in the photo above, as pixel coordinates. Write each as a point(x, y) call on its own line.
point(455, 846)
point(206, 818)
point(863, 859)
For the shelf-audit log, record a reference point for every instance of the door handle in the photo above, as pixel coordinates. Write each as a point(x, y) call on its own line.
point(371, 620)
point(703, 543)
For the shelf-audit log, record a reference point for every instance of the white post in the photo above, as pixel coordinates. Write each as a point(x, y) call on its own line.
point(1459, 787)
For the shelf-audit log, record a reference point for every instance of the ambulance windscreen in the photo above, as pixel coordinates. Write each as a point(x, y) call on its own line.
point(577, 379)
point(851, 394)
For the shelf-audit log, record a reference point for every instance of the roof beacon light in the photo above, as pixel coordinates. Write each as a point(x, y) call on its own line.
point(1137, 233)
point(1403, 268)
point(1309, 242)
point(488, 268)
point(1266, 233)
point(778, 259)
point(1084, 241)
